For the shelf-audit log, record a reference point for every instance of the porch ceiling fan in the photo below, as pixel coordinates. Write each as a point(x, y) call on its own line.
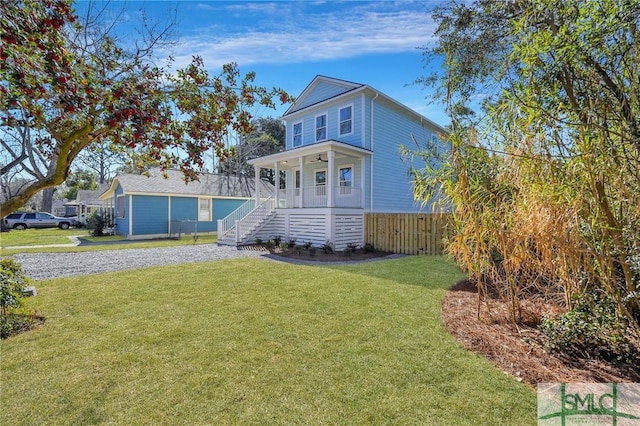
point(319, 160)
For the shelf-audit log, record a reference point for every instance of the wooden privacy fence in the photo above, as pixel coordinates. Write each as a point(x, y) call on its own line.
point(410, 233)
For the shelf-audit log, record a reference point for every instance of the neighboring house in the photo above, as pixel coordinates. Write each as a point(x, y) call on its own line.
point(342, 160)
point(61, 209)
point(87, 202)
point(154, 207)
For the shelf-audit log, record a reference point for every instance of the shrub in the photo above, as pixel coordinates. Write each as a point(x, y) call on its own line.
point(368, 248)
point(307, 245)
point(96, 222)
point(592, 329)
point(351, 247)
point(327, 247)
point(13, 283)
point(277, 239)
point(291, 242)
point(284, 246)
point(312, 250)
point(258, 241)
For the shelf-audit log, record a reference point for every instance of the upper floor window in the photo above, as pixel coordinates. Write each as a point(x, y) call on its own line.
point(346, 120)
point(321, 127)
point(297, 134)
point(435, 144)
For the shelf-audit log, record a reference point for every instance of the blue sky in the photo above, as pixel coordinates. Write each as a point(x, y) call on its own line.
point(288, 43)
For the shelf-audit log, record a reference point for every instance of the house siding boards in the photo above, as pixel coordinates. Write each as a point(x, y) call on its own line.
point(184, 208)
point(151, 215)
point(332, 110)
point(391, 183)
point(320, 91)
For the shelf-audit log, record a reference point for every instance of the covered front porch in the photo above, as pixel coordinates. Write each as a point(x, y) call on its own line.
point(324, 175)
point(320, 196)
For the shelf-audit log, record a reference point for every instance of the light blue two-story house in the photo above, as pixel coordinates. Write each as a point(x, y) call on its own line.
point(342, 160)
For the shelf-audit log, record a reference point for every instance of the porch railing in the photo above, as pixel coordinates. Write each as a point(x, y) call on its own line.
point(244, 219)
point(317, 196)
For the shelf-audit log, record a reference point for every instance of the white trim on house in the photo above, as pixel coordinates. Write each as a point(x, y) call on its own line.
point(308, 151)
point(171, 194)
point(316, 225)
point(130, 214)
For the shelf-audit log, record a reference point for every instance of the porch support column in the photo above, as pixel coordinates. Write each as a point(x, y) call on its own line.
point(330, 166)
point(301, 189)
point(362, 182)
point(257, 183)
point(276, 178)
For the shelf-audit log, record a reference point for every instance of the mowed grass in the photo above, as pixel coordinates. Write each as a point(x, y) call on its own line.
point(31, 237)
point(251, 341)
point(43, 237)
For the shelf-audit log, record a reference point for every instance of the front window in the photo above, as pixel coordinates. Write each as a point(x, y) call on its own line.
point(321, 127)
point(346, 127)
point(204, 209)
point(120, 206)
point(346, 179)
point(297, 134)
point(321, 182)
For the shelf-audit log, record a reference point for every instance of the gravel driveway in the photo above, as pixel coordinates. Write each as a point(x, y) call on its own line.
point(42, 266)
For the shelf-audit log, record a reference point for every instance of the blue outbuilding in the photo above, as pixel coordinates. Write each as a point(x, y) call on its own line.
point(160, 204)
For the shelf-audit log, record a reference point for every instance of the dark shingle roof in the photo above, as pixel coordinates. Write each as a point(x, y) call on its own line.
point(209, 184)
point(91, 197)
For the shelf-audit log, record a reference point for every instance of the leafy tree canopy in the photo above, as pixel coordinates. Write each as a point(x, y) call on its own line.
point(79, 180)
point(66, 87)
point(545, 182)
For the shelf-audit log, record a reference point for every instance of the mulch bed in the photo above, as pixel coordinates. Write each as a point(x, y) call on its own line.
point(318, 255)
point(518, 350)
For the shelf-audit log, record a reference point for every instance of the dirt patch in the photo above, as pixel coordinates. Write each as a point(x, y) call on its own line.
point(518, 350)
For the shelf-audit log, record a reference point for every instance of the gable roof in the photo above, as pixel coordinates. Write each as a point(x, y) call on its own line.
point(91, 197)
point(344, 88)
point(215, 185)
point(332, 87)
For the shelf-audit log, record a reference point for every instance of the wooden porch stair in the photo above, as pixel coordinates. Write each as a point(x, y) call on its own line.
point(240, 226)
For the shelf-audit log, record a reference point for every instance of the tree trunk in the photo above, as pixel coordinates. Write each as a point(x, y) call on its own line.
point(47, 200)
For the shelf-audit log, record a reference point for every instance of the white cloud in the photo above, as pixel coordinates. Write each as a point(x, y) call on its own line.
point(294, 37)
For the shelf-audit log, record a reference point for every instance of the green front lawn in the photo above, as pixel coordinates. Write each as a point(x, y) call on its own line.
point(44, 237)
point(32, 237)
point(249, 341)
